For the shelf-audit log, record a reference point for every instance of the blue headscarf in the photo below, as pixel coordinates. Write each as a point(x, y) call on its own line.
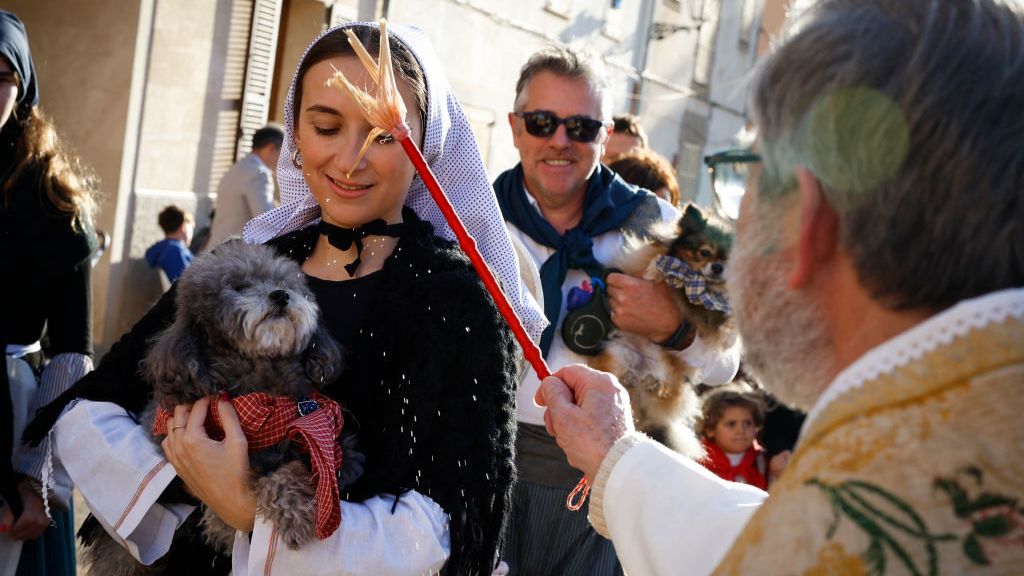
point(14, 47)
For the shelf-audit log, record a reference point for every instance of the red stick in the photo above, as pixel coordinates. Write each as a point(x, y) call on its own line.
point(468, 245)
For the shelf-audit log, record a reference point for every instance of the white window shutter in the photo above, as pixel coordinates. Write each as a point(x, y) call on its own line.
point(259, 72)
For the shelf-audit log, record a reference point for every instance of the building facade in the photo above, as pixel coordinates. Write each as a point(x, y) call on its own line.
point(160, 97)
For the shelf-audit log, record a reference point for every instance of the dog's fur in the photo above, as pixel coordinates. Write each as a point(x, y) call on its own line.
point(246, 322)
point(660, 383)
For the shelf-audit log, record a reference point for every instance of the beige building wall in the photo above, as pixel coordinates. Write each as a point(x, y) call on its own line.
point(482, 46)
point(301, 22)
point(771, 23)
point(84, 53)
point(188, 133)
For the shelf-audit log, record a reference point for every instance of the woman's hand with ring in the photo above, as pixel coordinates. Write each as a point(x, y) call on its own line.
point(216, 472)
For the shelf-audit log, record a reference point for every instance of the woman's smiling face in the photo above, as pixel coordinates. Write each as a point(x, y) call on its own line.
point(329, 133)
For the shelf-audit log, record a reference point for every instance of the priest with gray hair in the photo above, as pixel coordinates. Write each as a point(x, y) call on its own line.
point(877, 281)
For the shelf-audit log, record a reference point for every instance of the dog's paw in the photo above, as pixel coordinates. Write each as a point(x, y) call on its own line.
point(287, 498)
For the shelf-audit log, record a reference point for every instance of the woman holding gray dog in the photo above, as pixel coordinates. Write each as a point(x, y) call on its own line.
point(430, 367)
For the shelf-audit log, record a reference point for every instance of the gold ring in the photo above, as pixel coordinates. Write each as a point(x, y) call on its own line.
point(173, 428)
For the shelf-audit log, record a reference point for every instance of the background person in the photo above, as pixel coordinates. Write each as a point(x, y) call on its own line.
point(731, 420)
point(627, 135)
point(172, 254)
point(46, 239)
point(570, 213)
point(647, 169)
point(866, 287)
point(247, 189)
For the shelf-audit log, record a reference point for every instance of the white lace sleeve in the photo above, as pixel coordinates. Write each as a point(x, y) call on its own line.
point(62, 371)
point(717, 366)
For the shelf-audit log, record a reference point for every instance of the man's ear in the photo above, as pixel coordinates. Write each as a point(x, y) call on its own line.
point(515, 129)
point(819, 230)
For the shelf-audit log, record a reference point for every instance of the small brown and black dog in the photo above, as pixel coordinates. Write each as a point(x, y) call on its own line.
point(692, 259)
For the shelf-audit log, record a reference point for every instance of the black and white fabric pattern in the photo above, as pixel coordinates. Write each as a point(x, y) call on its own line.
point(60, 373)
point(451, 151)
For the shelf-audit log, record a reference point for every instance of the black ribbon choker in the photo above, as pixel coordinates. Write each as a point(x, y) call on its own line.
point(343, 238)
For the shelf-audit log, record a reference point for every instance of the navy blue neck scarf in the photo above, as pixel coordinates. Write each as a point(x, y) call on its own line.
point(608, 202)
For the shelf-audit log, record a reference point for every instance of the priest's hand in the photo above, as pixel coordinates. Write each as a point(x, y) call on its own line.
point(216, 472)
point(587, 412)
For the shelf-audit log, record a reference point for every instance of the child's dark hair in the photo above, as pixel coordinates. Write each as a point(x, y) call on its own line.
point(716, 402)
point(171, 219)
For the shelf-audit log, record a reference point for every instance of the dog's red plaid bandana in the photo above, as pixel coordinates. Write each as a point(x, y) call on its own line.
point(266, 420)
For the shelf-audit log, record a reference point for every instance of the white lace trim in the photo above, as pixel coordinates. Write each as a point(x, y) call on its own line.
point(911, 345)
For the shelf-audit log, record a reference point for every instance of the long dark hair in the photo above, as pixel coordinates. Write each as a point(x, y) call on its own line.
point(41, 161)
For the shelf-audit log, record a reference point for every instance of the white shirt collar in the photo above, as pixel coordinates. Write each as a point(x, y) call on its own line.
point(940, 329)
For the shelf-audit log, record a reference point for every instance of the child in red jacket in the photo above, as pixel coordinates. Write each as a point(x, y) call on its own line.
point(732, 418)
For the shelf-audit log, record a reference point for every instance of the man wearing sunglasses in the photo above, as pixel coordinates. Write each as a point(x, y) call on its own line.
point(877, 279)
point(570, 212)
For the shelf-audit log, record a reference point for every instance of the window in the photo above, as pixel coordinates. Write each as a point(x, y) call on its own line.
point(613, 20)
point(703, 59)
point(748, 19)
point(259, 71)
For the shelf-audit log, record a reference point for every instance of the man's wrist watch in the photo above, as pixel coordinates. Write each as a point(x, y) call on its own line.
point(683, 337)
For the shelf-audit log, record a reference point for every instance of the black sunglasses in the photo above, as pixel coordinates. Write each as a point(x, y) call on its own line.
point(542, 124)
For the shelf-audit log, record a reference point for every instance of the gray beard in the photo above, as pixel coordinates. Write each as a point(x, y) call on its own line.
point(786, 346)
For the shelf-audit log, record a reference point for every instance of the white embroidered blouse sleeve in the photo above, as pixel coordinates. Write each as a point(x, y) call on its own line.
point(376, 537)
point(62, 371)
point(717, 366)
point(120, 473)
point(705, 513)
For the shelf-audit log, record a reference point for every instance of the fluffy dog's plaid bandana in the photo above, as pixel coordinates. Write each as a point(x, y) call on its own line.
point(678, 274)
point(314, 424)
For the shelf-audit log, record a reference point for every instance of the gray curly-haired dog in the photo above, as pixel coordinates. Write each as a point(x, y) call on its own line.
point(245, 322)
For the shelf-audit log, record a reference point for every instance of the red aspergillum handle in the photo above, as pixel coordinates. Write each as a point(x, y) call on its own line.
point(530, 350)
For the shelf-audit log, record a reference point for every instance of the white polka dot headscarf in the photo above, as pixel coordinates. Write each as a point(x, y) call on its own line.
point(451, 151)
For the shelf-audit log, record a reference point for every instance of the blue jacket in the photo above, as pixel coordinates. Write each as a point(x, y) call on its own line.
point(171, 255)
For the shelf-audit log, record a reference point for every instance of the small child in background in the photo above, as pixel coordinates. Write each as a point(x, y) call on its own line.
point(172, 254)
point(731, 419)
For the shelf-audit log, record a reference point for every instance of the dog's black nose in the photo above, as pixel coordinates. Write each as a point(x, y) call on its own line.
point(279, 297)
point(717, 268)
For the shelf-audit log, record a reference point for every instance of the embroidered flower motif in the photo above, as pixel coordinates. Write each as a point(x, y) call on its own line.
point(833, 559)
point(994, 518)
point(888, 522)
